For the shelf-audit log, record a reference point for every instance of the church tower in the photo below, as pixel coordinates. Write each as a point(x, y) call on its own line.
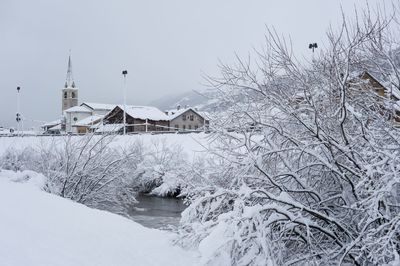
point(69, 92)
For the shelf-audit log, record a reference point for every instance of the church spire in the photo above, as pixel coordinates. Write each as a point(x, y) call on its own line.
point(69, 81)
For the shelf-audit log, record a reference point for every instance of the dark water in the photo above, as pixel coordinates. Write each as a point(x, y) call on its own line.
point(157, 212)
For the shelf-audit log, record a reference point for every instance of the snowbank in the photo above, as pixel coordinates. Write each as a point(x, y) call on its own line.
point(38, 228)
point(192, 144)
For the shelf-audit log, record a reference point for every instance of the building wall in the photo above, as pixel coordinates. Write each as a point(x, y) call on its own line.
point(69, 98)
point(379, 88)
point(116, 117)
point(82, 130)
point(72, 118)
point(189, 120)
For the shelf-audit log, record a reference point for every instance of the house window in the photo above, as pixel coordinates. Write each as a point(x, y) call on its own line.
point(191, 117)
point(184, 117)
point(190, 126)
point(196, 127)
point(184, 127)
point(176, 127)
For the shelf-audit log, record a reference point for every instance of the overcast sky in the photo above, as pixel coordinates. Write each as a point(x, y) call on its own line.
point(165, 45)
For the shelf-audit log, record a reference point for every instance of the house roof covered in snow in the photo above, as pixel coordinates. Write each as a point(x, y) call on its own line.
point(388, 88)
point(55, 128)
point(174, 113)
point(52, 123)
point(88, 121)
point(99, 106)
point(78, 109)
point(144, 112)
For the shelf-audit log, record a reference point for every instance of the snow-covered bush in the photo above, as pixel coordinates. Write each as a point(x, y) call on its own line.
point(85, 169)
point(16, 160)
point(160, 172)
point(99, 172)
point(310, 153)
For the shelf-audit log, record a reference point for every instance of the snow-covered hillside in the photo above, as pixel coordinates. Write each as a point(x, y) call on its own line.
point(203, 100)
point(37, 228)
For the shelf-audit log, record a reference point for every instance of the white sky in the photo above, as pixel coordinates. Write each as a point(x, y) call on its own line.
point(165, 45)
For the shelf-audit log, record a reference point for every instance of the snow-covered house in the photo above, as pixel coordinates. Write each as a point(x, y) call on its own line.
point(83, 119)
point(52, 127)
point(187, 119)
point(383, 89)
point(138, 119)
point(88, 124)
point(73, 115)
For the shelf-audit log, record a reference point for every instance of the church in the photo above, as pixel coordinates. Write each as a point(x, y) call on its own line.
point(108, 118)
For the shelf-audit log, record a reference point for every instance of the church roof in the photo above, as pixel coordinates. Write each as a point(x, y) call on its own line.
point(69, 80)
point(99, 106)
point(78, 109)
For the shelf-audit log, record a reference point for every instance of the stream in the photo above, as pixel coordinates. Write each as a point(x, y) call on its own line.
point(157, 212)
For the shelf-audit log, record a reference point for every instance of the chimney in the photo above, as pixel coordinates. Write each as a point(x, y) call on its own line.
point(178, 107)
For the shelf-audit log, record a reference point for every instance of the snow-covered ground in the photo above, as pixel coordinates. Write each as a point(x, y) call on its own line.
point(192, 144)
point(37, 228)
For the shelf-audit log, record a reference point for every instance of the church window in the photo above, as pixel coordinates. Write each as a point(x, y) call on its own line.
point(65, 95)
point(73, 95)
point(75, 119)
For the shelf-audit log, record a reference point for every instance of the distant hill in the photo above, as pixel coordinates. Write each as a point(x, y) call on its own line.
point(200, 100)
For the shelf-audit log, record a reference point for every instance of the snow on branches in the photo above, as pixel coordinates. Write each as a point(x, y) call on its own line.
point(311, 155)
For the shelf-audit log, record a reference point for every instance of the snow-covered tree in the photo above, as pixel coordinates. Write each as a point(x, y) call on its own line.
point(309, 156)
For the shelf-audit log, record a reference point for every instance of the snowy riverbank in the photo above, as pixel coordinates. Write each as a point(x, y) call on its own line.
point(192, 144)
point(38, 228)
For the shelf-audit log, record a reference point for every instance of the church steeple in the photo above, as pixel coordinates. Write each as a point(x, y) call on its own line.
point(69, 81)
point(69, 92)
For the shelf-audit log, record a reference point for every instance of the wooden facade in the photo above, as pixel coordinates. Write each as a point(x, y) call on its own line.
point(116, 116)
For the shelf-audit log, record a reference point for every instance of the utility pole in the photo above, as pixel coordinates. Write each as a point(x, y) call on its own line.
point(18, 118)
point(124, 73)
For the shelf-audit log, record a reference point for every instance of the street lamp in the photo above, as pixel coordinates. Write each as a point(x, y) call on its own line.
point(18, 118)
point(313, 46)
point(124, 73)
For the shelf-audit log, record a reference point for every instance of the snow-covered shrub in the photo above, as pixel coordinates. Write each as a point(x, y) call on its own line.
point(163, 169)
point(85, 169)
point(99, 172)
point(16, 160)
point(311, 152)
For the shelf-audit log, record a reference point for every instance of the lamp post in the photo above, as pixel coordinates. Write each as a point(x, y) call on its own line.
point(18, 118)
point(313, 46)
point(124, 73)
